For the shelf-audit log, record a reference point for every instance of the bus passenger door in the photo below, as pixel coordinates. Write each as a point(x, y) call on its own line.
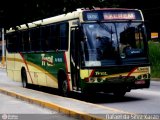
point(74, 58)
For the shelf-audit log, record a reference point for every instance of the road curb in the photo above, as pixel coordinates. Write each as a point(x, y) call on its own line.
point(72, 113)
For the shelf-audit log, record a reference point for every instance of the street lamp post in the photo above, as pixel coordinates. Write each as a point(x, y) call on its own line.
point(3, 49)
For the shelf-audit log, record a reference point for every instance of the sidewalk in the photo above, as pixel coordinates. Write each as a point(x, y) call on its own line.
point(69, 106)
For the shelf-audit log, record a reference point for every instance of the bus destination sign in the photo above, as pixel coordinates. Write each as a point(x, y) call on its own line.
point(112, 15)
point(119, 16)
point(92, 16)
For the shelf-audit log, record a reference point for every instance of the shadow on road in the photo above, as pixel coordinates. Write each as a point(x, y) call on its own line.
point(92, 98)
point(105, 98)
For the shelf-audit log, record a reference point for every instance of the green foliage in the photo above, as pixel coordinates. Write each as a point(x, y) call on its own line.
point(14, 12)
point(154, 55)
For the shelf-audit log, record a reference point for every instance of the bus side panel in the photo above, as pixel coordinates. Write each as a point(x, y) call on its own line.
point(32, 74)
point(18, 63)
point(35, 74)
point(51, 82)
point(10, 65)
point(43, 67)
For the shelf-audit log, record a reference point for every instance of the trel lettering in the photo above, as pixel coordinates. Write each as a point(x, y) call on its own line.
point(47, 60)
point(101, 73)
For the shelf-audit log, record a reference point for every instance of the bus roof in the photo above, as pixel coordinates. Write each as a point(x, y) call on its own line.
point(58, 18)
point(63, 17)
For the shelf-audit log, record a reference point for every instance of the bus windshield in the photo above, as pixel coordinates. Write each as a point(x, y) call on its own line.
point(113, 43)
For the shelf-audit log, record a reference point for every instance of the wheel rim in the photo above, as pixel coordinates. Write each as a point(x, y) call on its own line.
point(24, 83)
point(64, 88)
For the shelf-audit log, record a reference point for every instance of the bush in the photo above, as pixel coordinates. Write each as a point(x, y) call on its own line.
point(154, 56)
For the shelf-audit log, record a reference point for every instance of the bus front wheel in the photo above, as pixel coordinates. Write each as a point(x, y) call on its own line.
point(63, 88)
point(24, 78)
point(63, 84)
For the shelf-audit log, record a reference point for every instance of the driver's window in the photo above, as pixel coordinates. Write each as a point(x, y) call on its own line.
point(139, 38)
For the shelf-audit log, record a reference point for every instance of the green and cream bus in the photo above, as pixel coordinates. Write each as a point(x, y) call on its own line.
point(88, 51)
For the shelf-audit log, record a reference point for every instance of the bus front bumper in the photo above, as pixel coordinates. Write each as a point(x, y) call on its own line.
point(114, 85)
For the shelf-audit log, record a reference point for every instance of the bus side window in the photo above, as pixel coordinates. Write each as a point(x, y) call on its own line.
point(35, 39)
point(25, 41)
point(48, 37)
point(19, 42)
point(64, 36)
point(45, 38)
point(11, 42)
point(52, 37)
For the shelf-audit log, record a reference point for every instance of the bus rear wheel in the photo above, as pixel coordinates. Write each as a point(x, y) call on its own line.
point(24, 78)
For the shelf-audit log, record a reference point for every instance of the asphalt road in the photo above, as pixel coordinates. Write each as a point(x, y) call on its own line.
point(144, 101)
point(140, 101)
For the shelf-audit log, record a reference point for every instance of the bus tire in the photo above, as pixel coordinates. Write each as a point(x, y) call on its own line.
point(63, 85)
point(24, 78)
point(63, 88)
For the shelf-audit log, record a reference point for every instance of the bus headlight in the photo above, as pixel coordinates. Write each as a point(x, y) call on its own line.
point(94, 80)
point(144, 76)
point(139, 77)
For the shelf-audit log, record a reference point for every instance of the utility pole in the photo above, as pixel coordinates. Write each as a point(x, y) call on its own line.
point(3, 48)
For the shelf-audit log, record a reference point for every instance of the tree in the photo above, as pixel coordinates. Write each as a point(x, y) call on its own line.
point(16, 12)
